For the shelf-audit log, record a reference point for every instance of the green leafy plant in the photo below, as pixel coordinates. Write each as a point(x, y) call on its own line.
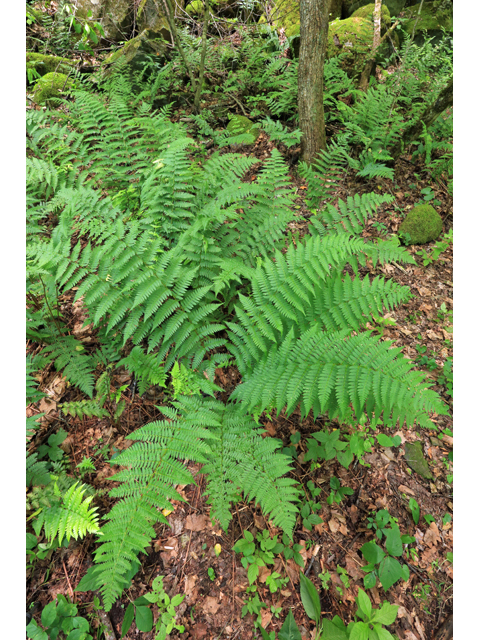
point(60, 616)
point(310, 507)
point(254, 606)
point(141, 611)
point(438, 248)
point(211, 573)
point(414, 510)
point(255, 556)
point(338, 492)
point(275, 582)
point(368, 624)
point(446, 377)
point(324, 578)
point(384, 565)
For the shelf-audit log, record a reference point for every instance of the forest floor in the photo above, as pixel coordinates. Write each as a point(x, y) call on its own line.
point(184, 552)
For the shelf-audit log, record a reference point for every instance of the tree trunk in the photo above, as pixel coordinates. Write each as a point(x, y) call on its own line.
point(313, 43)
point(429, 115)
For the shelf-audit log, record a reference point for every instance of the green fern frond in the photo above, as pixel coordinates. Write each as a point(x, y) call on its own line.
point(75, 366)
point(146, 368)
point(70, 516)
point(81, 408)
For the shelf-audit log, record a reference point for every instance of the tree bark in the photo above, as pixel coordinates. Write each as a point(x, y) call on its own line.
point(427, 117)
point(313, 44)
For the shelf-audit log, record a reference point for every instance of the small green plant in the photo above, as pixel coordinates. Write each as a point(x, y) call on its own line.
point(60, 616)
point(211, 573)
point(429, 196)
point(368, 624)
point(52, 448)
point(275, 582)
point(414, 510)
point(276, 611)
point(446, 377)
point(85, 466)
point(380, 227)
point(292, 449)
point(184, 381)
point(307, 512)
point(438, 248)
point(338, 492)
point(140, 610)
point(383, 323)
point(254, 606)
point(324, 578)
point(343, 574)
point(255, 556)
point(384, 565)
point(423, 359)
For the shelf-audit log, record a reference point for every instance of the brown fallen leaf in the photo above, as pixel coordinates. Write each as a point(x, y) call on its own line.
point(432, 535)
point(333, 525)
point(190, 581)
point(211, 605)
point(404, 489)
point(266, 617)
point(47, 405)
point(196, 522)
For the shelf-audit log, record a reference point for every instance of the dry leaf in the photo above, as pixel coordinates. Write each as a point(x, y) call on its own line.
point(211, 605)
point(266, 617)
point(190, 581)
point(404, 489)
point(333, 525)
point(196, 522)
point(432, 535)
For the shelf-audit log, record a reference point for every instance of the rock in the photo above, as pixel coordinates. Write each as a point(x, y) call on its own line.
point(367, 12)
point(351, 6)
point(242, 124)
point(118, 18)
point(422, 224)
point(195, 8)
point(47, 64)
point(415, 459)
point(354, 38)
point(430, 22)
point(135, 52)
point(51, 87)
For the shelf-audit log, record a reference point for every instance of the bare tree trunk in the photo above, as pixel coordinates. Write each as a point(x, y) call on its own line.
point(377, 23)
point(313, 43)
point(170, 13)
point(429, 115)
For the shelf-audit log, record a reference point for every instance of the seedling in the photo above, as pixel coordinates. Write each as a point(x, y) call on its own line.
point(414, 510)
point(255, 557)
point(274, 582)
point(307, 512)
point(211, 573)
point(254, 606)
point(324, 579)
point(338, 492)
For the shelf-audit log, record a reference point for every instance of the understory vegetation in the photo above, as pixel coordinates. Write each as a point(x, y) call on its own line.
point(162, 247)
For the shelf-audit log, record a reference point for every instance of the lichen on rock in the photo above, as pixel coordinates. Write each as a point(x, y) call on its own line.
point(422, 224)
point(52, 87)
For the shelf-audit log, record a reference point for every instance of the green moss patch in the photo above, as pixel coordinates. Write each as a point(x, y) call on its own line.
point(49, 64)
point(422, 224)
point(353, 38)
point(367, 12)
point(52, 87)
point(242, 124)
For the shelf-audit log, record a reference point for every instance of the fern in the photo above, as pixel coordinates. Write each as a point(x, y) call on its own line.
point(77, 367)
point(69, 514)
point(146, 368)
point(82, 408)
point(236, 458)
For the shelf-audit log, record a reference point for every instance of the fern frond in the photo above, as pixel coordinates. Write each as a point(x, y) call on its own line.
point(75, 366)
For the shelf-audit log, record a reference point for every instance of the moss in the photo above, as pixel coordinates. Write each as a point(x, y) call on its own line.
point(195, 8)
point(367, 12)
point(242, 124)
point(394, 6)
point(48, 64)
point(430, 21)
point(51, 87)
point(134, 51)
point(352, 37)
point(422, 224)
point(284, 15)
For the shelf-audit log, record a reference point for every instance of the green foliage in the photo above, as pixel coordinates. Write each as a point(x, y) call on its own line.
point(140, 610)
point(69, 514)
point(183, 266)
point(337, 491)
point(255, 556)
point(370, 625)
point(60, 617)
point(383, 565)
point(438, 248)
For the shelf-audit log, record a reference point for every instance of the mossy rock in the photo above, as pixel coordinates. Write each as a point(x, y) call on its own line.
point(367, 12)
point(422, 224)
point(195, 8)
point(52, 87)
point(242, 124)
point(393, 6)
point(352, 37)
point(430, 22)
point(49, 64)
point(135, 52)
point(285, 14)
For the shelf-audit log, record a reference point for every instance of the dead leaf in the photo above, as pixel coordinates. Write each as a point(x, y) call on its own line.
point(353, 569)
point(190, 581)
point(333, 525)
point(404, 489)
point(432, 536)
point(211, 605)
point(293, 570)
point(263, 573)
point(196, 522)
point(266, 617)
point(47, 405)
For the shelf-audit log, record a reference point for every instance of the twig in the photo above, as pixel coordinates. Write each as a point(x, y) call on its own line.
point(72, 595)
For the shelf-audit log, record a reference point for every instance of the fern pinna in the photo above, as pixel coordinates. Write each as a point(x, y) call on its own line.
point(178, 263)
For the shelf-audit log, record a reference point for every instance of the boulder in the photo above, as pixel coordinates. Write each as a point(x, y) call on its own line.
point(242, 124)
point(118, 17)
point(48, 64)
point(352, 37)
point(195, 8)
point(51, 87)
point(135, 52)
point(430, 22)
point(422, 224)
point(394, 6)
point(367, 12)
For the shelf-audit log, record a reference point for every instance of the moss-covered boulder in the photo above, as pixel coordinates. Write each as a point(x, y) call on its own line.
point(242, 124)
point(367, 12)
point(51, 87)
point(422, 224)
point(352, 37)
point(429, 23)
point(351, 6)
point(48, 64)
point(285, 14)
point(195, 8)
point(135, 52)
